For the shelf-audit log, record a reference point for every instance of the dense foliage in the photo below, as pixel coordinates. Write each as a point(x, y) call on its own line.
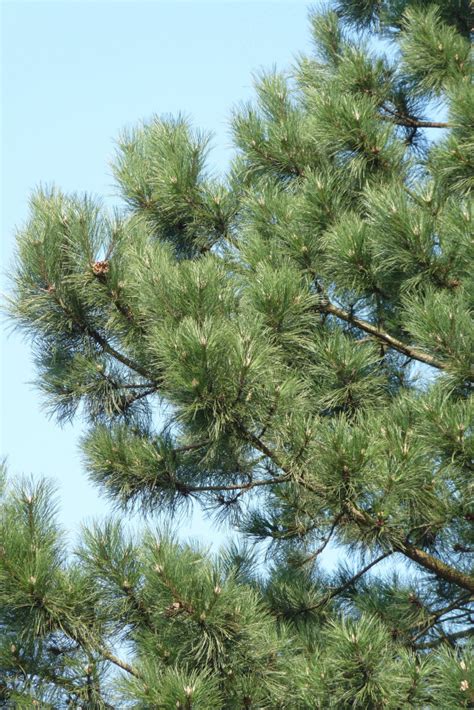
point(290, 347)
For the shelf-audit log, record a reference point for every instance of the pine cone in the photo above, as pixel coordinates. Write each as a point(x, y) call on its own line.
point(100, 268)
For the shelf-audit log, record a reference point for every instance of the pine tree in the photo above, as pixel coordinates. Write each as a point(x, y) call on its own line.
point(304, 329)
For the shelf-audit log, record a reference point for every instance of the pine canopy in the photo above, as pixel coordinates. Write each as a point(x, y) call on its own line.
point(289, 346)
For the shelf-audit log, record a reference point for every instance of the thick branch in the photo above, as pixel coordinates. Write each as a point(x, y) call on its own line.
point(106, 347)
point(426, 124)
point(440, 569)
point(402, 119)
point(414, 123)
point(424, 559)
point(104, 344)
point(109, 656)
point(392, 342)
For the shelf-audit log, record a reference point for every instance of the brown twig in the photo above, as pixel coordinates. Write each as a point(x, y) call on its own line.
point(436, 615)
point(338, 590)
point(411, 122)
point(323, 546)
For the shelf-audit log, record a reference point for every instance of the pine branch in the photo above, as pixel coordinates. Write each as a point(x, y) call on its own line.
point(138, 605)
point(109, 656)
point(66, 684)
point(424, 559)
point(436, 615)
point(131, 385)
point(178, 604)
point(239, 486)
point(290, 169)
point(315, 169)
point(352, 580)
point(106, 347)
point(446, 638)
point(103, 342)
point(392, 342)
point(440, 568)
point(85, 639)
point(100, 269)
point(87, 642)
point(338, 590)
point(135, 397)
point(411, 122)
point(191, 447)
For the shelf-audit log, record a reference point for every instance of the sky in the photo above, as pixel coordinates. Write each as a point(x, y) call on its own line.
point(74, 75)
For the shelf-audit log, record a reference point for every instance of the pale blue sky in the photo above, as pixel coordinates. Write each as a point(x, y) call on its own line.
point(73, 75)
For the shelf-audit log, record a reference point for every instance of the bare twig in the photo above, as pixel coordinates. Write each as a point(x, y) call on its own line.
point(436, 615)
point(239, 486)
point(323, 546)
point(338, 590)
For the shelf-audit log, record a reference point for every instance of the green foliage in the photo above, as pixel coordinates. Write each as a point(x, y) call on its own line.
point(452, 158)
point(434, 54)
point(387, 15)
point(199, 635)
point(161, 172)
point(289, 346)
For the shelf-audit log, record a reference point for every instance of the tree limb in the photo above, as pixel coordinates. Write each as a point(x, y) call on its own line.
point(424, 559)
point(107, 348)
point(104, 344)
point(448, 638)
point(392, 342)
point(239, 486)
point(357, 576)
point(109, 656)
point(402, 119)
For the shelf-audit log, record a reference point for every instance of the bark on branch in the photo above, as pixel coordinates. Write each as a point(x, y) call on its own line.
point(424, 559)
point(109, 656)
point(386, 338)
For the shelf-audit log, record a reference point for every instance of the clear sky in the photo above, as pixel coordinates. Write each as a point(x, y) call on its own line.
point(74, 74)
